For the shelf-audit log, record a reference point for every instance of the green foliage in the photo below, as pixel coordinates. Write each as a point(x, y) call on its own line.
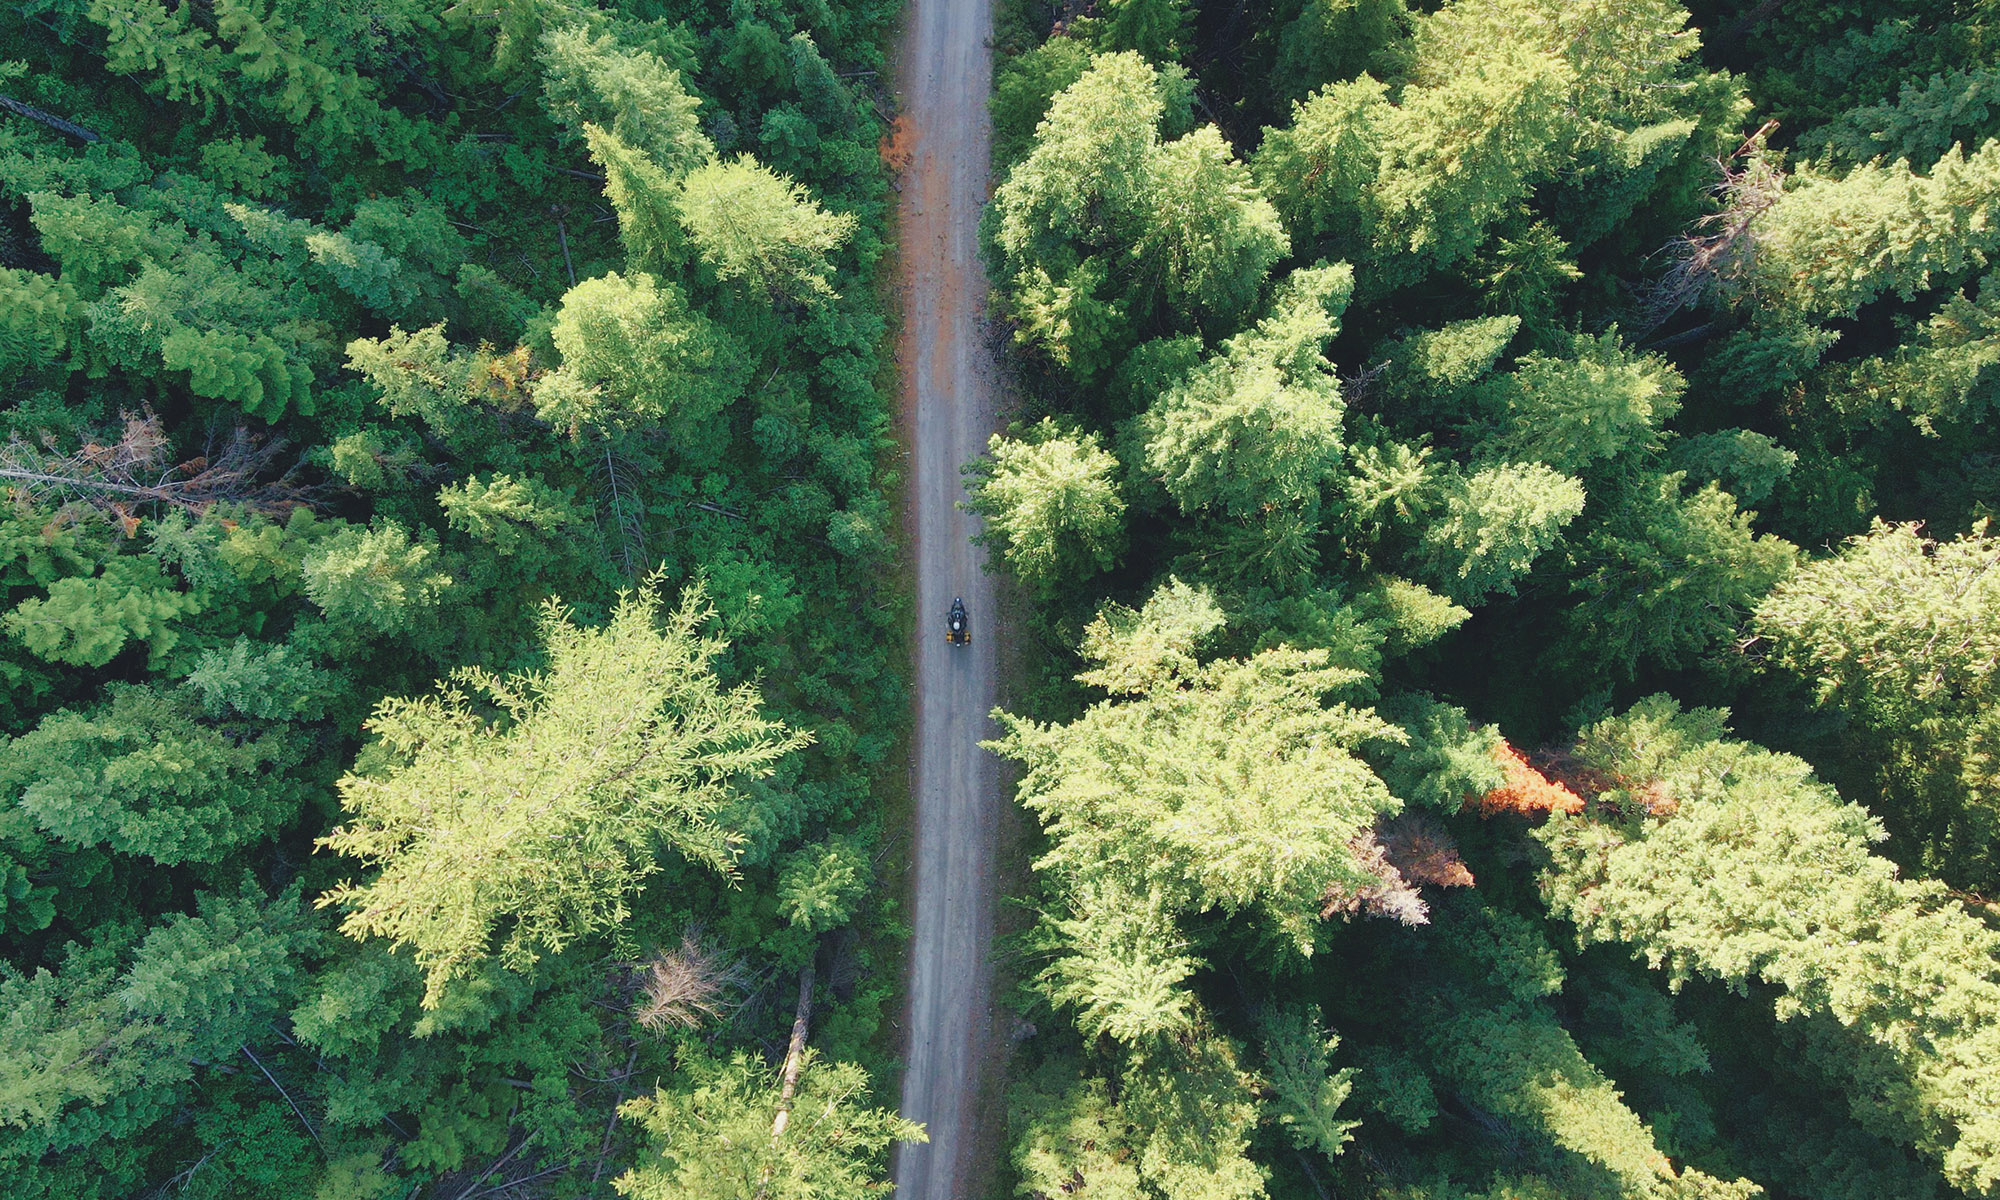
point(1491, 1034)
point(1670, 575)
point(449, 389)
point(225, 541)
point(1258, 425)
point(504, 512)
point(1220, 785)
point(1100, 190)
point(40, 321)
point(377, 580)
point(1069, 1133)
point(1443, 759)
point(595, 81)
point(1599, 311)
point(1433, 370)
point(821, 887)
point(540, 825)
point(747, 222)
point(643, 194)
point(85, 620)
point(1829, 246)
point(635, 354)
point(1896, 633)
point(143, 774)
point(1897, 629)
point(1959, 107)
point(1051, 504)
point(1295, 1054)
point(1023, 87)
point(1494, 523)
point(1170, 1127)
point(1747, 465)
point(712, 1138)
point(1594, 403)
point(1750, 869)
point(108, 1043)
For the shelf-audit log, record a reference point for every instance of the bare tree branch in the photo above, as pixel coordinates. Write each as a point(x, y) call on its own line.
point(69, 128)
point(1718, 252)
point(136, 469)
point(296, 1110)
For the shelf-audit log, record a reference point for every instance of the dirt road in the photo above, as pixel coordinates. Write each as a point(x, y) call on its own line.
point(949, 399)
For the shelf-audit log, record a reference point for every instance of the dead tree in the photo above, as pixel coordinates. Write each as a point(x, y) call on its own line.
point(137, 469)
point(1717, 253)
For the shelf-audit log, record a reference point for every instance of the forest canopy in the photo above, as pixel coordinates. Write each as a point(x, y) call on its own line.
point(424, 427)
point(1501, 492)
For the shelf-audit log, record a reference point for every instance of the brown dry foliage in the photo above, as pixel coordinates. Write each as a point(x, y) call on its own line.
point(137, 469)
point(687, 986)
point(1423, 852)
point(1400, 854)
point(1526, 790)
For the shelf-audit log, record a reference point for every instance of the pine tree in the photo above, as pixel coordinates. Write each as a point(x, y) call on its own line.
point(1102, 226)
point(1457, 156)
point(1227, 785)
point(1715, 858)
point(1960, 107)
point(454, 392)
point(536, 830)
point(1485, 1025)
point(1899, 630)
point(636, 354)
point(86, 620)
point(39, 321)
point(1942, 377)
point(1666, 576)
point(746, 222)
point(634, 94)
point(1258, 425)
point(376, 579)
point(1829, 246)
point(1051, 505)
point(1494, 523)
point(643, 195)
point(1320, 169)
point(144, 775)
point(710, 1136)
point(1206, 234)
point(106, 1045)
point(1896, 632)
point(1309, 1095)
point(1154, 28)
point(1595, 402)
point(505, 512)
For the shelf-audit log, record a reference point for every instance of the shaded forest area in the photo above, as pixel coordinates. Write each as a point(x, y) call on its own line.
point(1505, 491)
point(446, 654)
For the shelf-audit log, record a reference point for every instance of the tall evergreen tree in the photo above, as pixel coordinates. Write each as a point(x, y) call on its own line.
point(535, 829)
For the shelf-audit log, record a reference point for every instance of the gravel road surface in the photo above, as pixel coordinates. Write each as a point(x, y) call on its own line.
point(949, 398)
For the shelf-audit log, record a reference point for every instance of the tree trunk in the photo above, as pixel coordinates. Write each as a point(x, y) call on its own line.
point(795, 1054)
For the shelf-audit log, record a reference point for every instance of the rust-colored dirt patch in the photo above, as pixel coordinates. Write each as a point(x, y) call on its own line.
point(895, 146)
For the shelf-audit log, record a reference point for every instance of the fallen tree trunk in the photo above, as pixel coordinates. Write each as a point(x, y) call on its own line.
point(795, 1053)
point(71, 128)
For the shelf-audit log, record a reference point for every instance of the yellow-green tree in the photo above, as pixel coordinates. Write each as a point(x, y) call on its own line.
point(534, 827)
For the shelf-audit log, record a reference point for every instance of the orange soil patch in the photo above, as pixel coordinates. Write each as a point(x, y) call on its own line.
point(895, 145)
